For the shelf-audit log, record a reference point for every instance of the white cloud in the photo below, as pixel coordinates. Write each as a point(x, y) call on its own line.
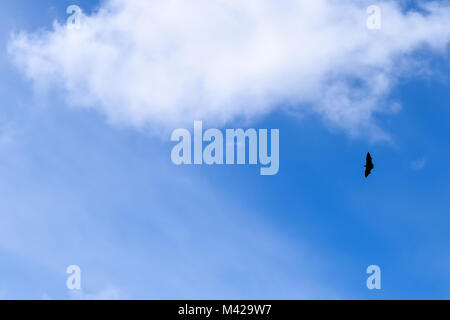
point(163, 63)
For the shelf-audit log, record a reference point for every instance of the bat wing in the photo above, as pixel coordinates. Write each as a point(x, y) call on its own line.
point(369, 165)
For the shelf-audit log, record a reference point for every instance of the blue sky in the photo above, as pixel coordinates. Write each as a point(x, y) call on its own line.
point(77, 186)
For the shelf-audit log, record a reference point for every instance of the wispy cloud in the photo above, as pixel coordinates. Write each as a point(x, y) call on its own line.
point(46, 296)
point(172, 236)
point(7, 134)
point(419, 164)
point(109, 293)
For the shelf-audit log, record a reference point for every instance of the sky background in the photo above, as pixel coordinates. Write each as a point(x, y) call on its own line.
point(80, 187)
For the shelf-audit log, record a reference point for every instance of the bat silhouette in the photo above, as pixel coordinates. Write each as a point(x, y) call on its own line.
point(369, 165)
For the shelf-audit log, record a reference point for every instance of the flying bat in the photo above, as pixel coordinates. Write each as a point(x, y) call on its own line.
point(369, 165)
